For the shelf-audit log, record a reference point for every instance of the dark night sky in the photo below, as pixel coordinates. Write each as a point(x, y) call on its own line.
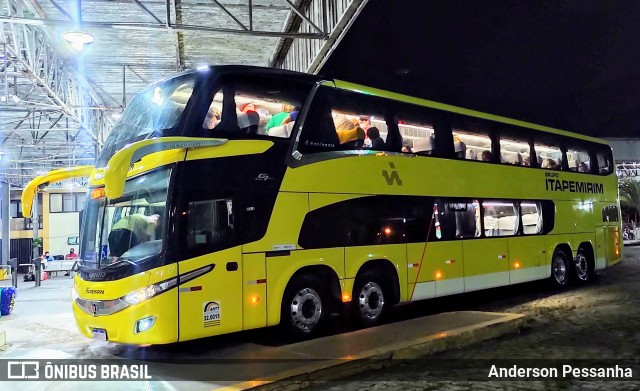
point(574, 65)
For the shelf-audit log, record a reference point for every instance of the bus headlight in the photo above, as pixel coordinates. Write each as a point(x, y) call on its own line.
point(144, 324)
point(74, 294)
point(142, 294)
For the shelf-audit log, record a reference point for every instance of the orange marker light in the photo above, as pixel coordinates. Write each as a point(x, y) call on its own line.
point(438, 275)
point(516, 265)
point(346, 297)
point(387, 230)
point(254, 299)
point(97, 193)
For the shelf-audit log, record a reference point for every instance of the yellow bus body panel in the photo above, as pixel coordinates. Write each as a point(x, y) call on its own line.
point(254, 291)
point(231, 148)
point(284, 227)
point(439, 272)
point(527, 258)
point(118, 167)
point(223, 286)
point(395, 254)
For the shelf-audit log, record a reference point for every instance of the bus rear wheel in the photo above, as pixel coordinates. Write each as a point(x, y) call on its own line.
point(303, 306)
point(583, 266)
point(560, 269)
point(369, 299)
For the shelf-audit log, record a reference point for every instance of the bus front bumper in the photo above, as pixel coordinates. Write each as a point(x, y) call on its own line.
point(154, 321)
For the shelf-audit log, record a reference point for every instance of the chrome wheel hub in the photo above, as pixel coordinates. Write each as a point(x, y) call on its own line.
point(582, 267)
point(371, 300)
point(306, 309)
point(559, 270)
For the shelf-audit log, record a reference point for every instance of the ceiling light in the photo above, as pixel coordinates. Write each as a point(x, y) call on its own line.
point(78, 39)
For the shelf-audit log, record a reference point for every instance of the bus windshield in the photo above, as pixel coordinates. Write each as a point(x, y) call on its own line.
point(129, 229)
point(155, 109)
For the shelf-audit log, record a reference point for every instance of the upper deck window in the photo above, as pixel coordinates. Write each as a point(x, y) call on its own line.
point(343, 120)
point(549, 155)
point(255, 105)
point(514, 151)
point(578, 159)
point(605, 160)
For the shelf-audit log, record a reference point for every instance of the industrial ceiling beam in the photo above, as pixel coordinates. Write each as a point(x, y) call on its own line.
point(157, 27)
point(56, 101)
point(304, 55)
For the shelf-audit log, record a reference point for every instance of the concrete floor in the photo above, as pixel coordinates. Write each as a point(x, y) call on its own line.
point(42, 327)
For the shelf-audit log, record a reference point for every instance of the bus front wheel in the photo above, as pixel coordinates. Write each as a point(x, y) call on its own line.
point(303, 306)
point(369, 299)
point(560, 269)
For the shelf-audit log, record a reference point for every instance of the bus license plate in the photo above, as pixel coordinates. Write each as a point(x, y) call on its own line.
point(100, 334)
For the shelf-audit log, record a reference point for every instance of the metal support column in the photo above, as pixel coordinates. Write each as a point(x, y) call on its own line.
point(6, 216)
point(35, 219)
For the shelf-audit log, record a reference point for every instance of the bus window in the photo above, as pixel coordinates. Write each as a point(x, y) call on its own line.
point(467, 218)
point(610, 214)
point(514, 151)
point(549, 156)
point(417, 137)
point(500, 218)
point(336, 119)
point(531, 215)
point(210, 223)
point(578, 160)
point(472, 146)
point(605, 160)
point(455, 219)
point(443, 222)
point(260, 106)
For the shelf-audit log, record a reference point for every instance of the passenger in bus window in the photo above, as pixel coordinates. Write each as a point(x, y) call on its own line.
point(348, 132)
point(377, 143)
point(213, 118)
point(486, 156)
point(364, 123)
point(582, 167)
point(549, 164)
point(406, 146)
point(526, 161)
point(130, 231)
point(287, 115)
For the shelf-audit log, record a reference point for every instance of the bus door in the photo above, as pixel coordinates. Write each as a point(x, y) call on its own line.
point(527, 253)
point(608, 237)
point(601, 247)
point(210, 291)
point(486, 259)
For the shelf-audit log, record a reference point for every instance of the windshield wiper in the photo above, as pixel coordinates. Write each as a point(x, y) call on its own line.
point(119, 263)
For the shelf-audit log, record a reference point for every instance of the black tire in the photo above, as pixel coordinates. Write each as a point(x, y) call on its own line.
point(371, 299)
point(304, 307)
point(560, 269)
point(583, 266)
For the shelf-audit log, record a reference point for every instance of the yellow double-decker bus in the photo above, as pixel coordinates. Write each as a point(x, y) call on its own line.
point(232, 198)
